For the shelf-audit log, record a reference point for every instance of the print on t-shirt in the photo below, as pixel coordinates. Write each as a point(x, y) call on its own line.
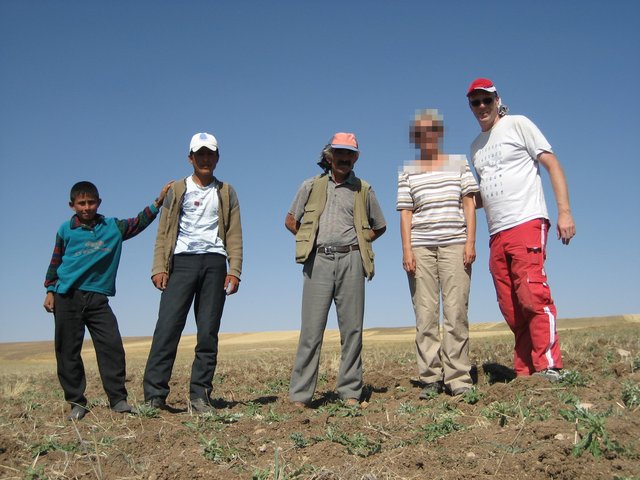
point(489, 160)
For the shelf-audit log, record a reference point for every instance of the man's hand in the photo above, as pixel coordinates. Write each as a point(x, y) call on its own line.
point(49, 302)
point(469, 255)
point(409, 262)
point(160, 280)
point(231, 284)
point(291, 223)
point(566, 227)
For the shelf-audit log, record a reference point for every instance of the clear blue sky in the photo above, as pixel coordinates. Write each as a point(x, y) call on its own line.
point(111, 92)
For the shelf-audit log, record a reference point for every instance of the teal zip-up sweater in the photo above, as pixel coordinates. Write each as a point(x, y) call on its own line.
point(87, 257)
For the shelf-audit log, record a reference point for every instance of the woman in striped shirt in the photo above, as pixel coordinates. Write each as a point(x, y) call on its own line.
point(438, 227)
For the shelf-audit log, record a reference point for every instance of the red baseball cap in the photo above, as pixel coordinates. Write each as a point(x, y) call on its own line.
point(345, 140)
point(482, 84)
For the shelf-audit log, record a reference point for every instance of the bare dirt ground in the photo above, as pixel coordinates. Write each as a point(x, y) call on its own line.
point(586, 426)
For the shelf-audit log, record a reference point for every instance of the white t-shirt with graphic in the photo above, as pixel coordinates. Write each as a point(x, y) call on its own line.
point(505, 158)
point(198, 230)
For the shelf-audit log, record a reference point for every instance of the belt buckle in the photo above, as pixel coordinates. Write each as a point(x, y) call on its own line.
point(327, 250)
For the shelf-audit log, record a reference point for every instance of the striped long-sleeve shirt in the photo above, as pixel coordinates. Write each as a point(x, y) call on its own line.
point(435, 198)
point(86, 257)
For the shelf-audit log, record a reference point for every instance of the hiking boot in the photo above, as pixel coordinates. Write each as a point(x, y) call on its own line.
point(123, 407)
point(551, 374)
point(157, 402)
point(202, 405)
point(77, 412)
point(431, 389)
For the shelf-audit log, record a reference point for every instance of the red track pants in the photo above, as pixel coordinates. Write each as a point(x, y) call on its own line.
point(517, 266)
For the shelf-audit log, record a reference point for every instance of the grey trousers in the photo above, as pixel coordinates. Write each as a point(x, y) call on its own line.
point(199, 277)
point(339, 278)
point(440, 269)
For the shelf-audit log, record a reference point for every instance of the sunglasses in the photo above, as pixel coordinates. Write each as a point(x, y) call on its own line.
point(417, 131)
point(481, 101)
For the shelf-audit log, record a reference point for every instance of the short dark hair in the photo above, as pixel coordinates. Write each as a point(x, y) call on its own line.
point(84, 187)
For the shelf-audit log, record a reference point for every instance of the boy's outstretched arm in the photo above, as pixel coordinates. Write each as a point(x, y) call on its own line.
point(133, 226)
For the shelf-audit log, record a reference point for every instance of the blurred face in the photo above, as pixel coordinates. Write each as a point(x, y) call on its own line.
point(342, 162)
point(86, 207)
point(426, 134)
point(484, 106)
point(204, 162)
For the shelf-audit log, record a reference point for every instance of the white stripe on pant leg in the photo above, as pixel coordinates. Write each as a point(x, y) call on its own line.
point(543, 228)
point(547, 310)
point(552, 337)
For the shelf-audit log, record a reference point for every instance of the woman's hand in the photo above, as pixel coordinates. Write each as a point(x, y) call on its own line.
point(409, 261)
point(469, 255)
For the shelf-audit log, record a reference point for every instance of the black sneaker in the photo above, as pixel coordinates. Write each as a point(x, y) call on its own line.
point(123, 407)
point(77, 412)
point(459, 391)
point(430, 390)
point(157, 402)
point(202, 405)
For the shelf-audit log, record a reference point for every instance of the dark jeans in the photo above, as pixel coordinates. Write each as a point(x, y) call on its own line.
point(200, 276)
point(73, 311)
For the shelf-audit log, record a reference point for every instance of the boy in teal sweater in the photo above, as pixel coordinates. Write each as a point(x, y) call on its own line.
point(81, 275)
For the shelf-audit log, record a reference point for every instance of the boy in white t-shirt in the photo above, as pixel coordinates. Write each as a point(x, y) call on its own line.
point(197, 259)
point(507, 155)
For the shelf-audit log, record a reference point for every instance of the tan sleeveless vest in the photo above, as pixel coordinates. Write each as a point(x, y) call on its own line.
point(306, 236)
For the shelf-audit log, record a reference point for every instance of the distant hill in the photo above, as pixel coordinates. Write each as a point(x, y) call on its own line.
point(41, 354)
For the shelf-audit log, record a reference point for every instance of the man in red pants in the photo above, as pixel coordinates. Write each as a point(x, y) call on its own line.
point(507, 155)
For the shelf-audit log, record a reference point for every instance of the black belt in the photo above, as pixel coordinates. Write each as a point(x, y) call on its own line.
point(329, 250)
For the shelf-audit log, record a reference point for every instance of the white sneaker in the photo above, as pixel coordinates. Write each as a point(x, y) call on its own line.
point(551, 374)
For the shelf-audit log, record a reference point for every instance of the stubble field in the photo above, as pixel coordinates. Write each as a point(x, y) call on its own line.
point(586, 426)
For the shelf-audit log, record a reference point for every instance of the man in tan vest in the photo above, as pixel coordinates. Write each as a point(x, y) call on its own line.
point(335, 217)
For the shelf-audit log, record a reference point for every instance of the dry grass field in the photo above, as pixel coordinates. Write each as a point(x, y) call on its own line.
point(586, 426)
